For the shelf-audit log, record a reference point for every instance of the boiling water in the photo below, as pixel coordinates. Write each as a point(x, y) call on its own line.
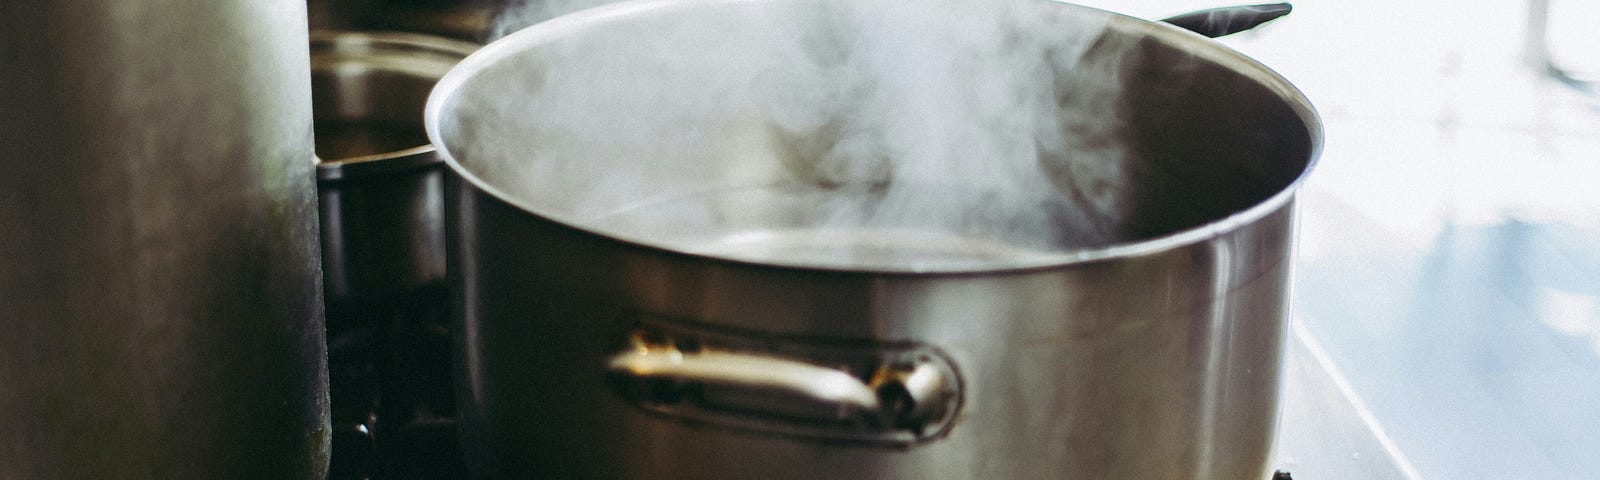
point(864, 227)
point(888, 135)
point(866, 248)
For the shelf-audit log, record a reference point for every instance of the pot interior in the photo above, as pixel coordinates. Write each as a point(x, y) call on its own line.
point(929, 135)
point(368, 90)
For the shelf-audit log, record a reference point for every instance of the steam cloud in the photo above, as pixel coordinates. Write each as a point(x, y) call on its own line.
point(910, 134)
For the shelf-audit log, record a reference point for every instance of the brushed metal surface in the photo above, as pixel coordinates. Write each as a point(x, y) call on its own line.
point(1158, 357)
point(1160, 366)
point(160, 291)
point(379, 180)
point(380, 191)
point(471, 20)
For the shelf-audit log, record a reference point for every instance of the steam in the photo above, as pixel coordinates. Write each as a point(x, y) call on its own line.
point(513, 15)
point(917, 134)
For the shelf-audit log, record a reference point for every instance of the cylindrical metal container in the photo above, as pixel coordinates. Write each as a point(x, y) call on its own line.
point(379, 178)
point(669, 305)
point(160, 290)
point(381, 192)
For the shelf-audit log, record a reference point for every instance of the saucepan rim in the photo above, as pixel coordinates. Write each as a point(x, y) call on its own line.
point(1206, 48)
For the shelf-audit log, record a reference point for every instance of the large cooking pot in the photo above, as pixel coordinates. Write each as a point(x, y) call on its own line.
point(675, 259)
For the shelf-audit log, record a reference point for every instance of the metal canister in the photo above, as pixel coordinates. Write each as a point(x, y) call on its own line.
point(160, 291)
point(381, 188)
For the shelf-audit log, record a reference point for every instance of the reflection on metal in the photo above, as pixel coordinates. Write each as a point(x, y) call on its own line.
point(160, 307)
point(381, 188)
point(886, 395)
point(470, 20)
point(1107, 363)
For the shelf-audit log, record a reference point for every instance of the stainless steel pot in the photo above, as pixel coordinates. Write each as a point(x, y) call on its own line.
point(160, 300)
point(380, 187)
point(627, 311)
point(379, 179)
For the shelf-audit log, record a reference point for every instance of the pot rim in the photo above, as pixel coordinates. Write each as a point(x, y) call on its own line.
point(365, 43)
point(379, 51)
point(1201, 46)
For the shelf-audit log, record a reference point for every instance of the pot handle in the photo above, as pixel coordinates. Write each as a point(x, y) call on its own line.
point(783, 377)
point(1218, 22)
point(899, 402)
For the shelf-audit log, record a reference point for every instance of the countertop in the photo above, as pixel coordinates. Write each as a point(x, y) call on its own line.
point(1447, 294)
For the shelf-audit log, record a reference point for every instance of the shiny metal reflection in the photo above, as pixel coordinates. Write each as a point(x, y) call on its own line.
point(1154, 357)
point(160, 309)
point(381, 188)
